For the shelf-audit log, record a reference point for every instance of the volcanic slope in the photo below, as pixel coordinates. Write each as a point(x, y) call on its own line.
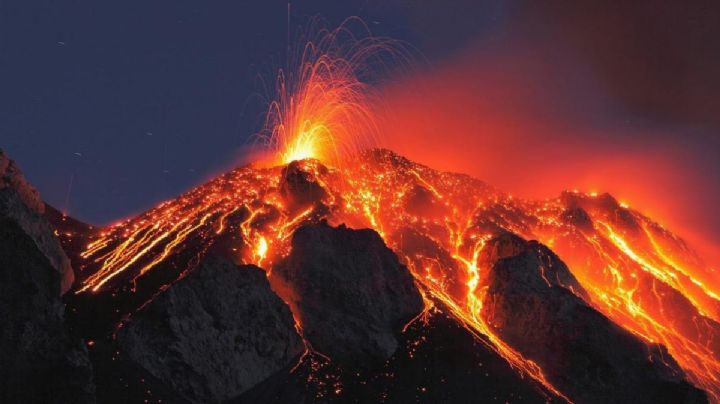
point(621, 264)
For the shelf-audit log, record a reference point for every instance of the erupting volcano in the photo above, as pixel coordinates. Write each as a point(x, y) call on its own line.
point(583, 298)
point(627, 267)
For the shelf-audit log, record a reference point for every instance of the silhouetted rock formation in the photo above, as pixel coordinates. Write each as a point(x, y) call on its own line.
point(349, 291)
point(39, 360)
point(531, 304)
point(21, 203)
point(213, 334)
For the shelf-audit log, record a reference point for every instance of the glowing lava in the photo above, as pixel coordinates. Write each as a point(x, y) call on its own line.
point(322, 106)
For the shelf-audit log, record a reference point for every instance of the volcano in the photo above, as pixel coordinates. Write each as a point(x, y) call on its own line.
point(380, 280)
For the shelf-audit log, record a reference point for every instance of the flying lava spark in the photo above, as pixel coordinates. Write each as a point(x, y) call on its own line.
point(322, 106)
point(326, 166)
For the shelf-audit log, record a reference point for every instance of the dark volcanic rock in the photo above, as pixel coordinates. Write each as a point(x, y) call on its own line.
point(577, 217)
point(213, 334)
point(420, 202)
point(39, 360)
point(550, 270)
point(299, 185)
point(21, 203)
point(349, 291)
point(74, 236)
point(531, 304)
point(437, 361)
point(603, 205)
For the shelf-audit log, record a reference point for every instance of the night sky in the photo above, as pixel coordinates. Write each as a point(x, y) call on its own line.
point(111, 107)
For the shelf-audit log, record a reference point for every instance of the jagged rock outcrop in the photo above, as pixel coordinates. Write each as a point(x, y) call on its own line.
point(604, 205)
point(21, 203)
point(534, 304)
point(213, 334)
point(349, 291)
point(300, 186)
point(39, 360)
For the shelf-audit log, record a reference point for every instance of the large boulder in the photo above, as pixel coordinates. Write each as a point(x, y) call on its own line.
point(213, 334)
point(300, 186)
point(40, 360)
point(349, 291)
point(535, 305)
point(21, 203)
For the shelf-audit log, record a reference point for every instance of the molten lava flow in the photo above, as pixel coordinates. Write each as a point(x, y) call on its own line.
point(427, 218)
point(641, 276)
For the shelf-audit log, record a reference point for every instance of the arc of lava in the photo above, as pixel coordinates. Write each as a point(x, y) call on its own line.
point(323, 106)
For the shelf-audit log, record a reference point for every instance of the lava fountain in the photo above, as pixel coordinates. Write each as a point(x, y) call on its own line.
point(322, 104)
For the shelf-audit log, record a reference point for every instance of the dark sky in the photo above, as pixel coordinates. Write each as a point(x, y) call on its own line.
point(110, 107)
point(135, 102)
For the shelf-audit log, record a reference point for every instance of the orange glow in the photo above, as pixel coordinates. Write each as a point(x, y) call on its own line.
point(505, 117)
point(261, 250)
point(322, 108)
